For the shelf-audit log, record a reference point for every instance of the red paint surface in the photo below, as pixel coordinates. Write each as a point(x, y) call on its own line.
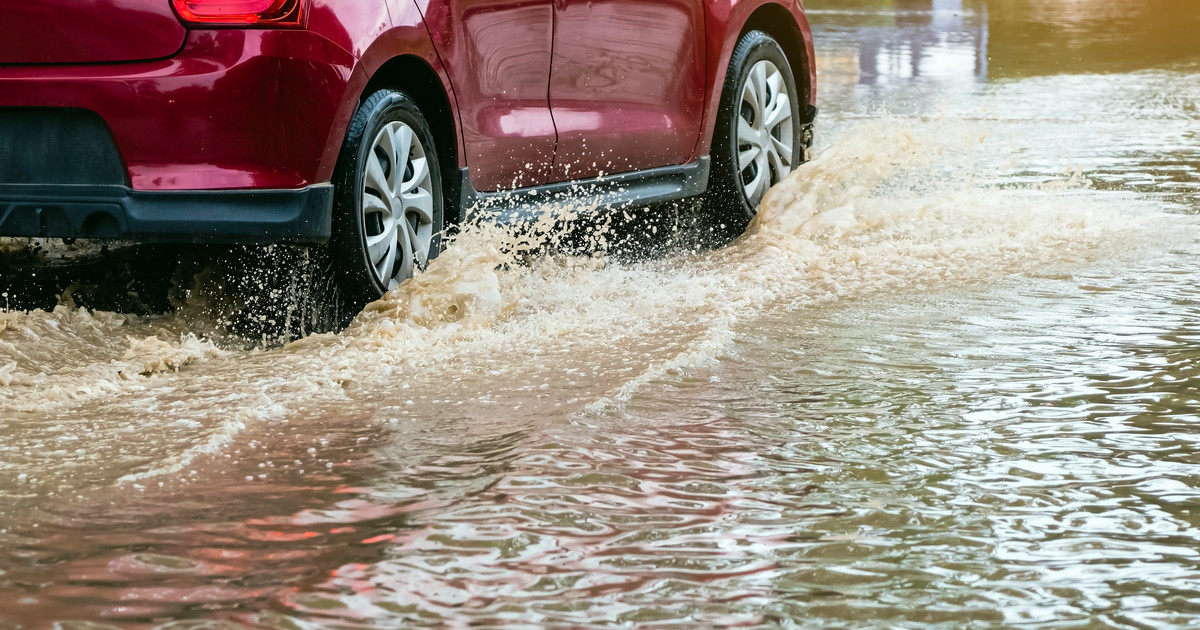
point(96, 31)
point(497, 54)
point(627, 86)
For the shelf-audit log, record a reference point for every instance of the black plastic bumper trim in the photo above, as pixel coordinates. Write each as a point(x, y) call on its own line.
point(57, 146)
point(210, 216)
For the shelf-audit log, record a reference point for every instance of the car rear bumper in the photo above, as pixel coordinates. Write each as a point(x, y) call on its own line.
point(235, 108)
point(206, 216)
point(233, 140)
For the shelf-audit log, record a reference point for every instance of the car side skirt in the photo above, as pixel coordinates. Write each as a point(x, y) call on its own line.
point(609, 192)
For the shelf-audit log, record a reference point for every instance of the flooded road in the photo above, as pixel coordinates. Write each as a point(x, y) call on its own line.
point(948, 379)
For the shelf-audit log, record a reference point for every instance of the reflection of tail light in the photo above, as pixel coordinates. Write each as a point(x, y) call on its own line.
point(232, 13)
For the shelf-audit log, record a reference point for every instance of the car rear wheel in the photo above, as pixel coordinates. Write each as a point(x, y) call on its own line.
point(388, 205)
point(757, 140)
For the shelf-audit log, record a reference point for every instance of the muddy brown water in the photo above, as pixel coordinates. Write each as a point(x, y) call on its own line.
point(949, 379)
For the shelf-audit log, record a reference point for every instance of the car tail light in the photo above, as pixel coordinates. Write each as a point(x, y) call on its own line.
point(241, 12)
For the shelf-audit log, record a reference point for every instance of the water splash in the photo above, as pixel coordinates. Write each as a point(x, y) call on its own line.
point(887, 206)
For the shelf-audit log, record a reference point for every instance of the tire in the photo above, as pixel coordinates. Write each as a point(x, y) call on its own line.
point(385, 227)
point(757, 68)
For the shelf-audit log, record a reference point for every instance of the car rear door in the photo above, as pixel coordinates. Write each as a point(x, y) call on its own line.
point(627, 84)
point(497, 53)
point(95, 31)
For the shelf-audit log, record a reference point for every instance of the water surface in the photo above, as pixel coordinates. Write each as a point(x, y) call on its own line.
point(947, 380)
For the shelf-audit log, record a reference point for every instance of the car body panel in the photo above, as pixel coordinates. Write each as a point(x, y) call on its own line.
point(627, 85)
point(354, 26)
point(497, 54)
point(96, 31)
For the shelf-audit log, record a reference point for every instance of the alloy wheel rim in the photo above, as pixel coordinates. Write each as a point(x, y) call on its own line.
point(764, 131)
point(397, 205)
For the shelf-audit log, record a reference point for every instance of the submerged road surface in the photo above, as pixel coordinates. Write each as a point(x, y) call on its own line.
point(950, 378)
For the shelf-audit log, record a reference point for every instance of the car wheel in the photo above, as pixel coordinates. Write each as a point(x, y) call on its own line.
point(757, 140)
point(388, 201)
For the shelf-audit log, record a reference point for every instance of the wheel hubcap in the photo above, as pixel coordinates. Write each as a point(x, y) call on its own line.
point(397, 205)
point(764, 131)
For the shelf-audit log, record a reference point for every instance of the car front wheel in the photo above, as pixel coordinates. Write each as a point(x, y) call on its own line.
point(757, 140)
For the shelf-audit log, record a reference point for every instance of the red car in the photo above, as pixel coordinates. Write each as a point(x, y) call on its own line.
point(369, 125)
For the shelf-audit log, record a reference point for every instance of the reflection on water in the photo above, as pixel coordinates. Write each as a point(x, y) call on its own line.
point(905, 39)
point(1076, 109)
point(926, 38)
point(1036, 37)
point(949, 380)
